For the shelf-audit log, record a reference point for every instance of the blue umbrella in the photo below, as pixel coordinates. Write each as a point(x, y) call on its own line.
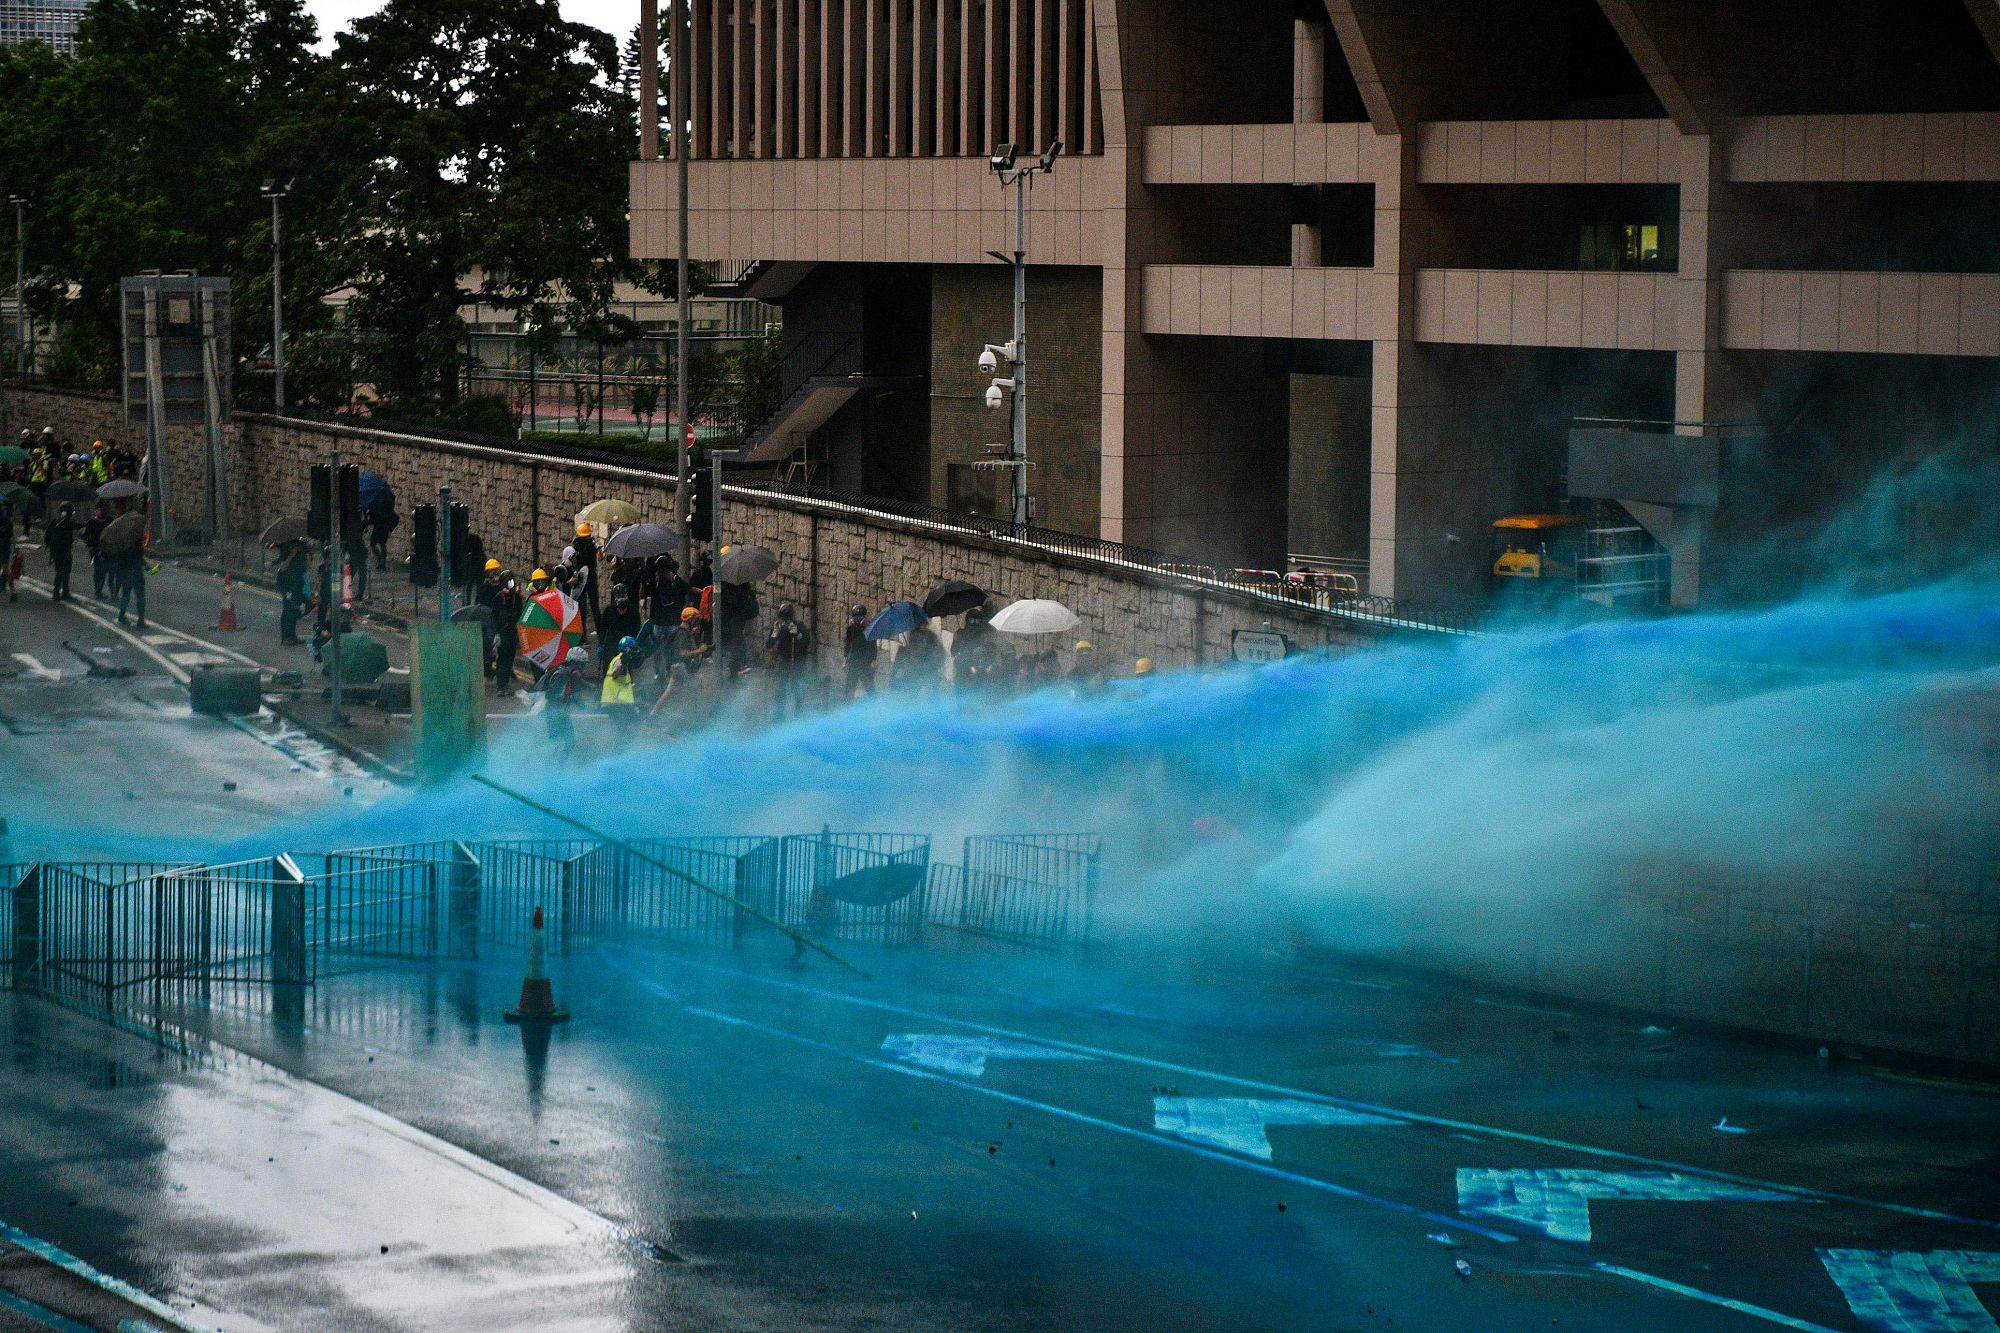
point(896, 618)
point(375, 492)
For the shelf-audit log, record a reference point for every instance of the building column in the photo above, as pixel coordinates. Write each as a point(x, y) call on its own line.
point(1308, 108)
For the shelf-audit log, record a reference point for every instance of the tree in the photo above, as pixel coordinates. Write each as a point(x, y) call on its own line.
point(146, 150)
point(479, 135)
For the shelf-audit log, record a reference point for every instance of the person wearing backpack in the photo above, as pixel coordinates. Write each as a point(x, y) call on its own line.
point(790, 648)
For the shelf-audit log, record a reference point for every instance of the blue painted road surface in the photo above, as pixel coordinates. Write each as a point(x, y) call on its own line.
point(971, 1141)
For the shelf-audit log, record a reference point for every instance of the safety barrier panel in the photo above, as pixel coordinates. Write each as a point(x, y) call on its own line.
point(855, 886)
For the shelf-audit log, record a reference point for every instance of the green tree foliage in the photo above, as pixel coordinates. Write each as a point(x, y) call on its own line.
point(147, 150)
point(482, 135)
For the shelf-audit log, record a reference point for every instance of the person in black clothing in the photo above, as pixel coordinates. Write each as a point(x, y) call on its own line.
point(292, 589)
point(381, 520)
point(974, 651)
point(585, 546)
point(100, 563)
point(7, 550)
point(704, 572)
point(667, 594)
point(507, 605)
point(790, 647)
point(621, 620)
point(131, 571)
point(59, 540)
point(739, 608)
point(857, 653)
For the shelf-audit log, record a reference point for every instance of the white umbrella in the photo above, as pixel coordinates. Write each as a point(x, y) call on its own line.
point(1034, 616)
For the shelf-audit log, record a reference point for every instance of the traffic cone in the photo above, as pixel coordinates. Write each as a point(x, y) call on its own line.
point(228, 618)
point(538, 998)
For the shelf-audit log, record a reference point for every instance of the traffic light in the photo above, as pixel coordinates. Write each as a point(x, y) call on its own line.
point(319, 503)
point(466, 555)
point(701, 506)
point(424, 546)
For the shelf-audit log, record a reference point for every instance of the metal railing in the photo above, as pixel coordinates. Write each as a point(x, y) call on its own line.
point(387, 903)
point(855, 886)
point(1333, 603)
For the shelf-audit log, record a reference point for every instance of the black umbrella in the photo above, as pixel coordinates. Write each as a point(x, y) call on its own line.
point(473, 615)
point(642, 541)
point(122, 489)
point(285, 530)
point(20, 497)
point(124, 533)
point(70, 493)
point(745, 564)
point(953, 597)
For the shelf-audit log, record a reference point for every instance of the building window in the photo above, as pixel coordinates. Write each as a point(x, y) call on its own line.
point(1633, 247)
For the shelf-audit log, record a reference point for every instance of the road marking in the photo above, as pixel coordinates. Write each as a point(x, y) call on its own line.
point(1556, 1202)
point(195, 659)
point(35, 668)
point(1915, 1291)
point(1726, 1302)
point(965, 1056)
point(1414, 1117)
point(69, 1263)
point(1237, 1123)
point(1064, 1113)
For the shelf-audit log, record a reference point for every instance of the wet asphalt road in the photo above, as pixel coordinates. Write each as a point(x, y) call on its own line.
point(815, 1151)
point(969, 1141)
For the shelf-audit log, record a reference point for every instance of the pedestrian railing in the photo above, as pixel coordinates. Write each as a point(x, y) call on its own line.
point(123, 935)
point(855, 886)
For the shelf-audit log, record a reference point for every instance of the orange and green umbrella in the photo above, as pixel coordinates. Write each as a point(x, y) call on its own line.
point(551, 625)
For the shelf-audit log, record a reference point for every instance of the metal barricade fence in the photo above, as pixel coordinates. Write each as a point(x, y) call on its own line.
point(855, 886)
point(381, 903)
point(1038, 888)
point(519, 875)
point(11, 874)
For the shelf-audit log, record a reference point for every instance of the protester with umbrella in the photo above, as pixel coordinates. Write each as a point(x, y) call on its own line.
point(124, 539)
point(975, 650)
point(550, 628)
point(100, 563)
point(378, 514)
point(790, 649)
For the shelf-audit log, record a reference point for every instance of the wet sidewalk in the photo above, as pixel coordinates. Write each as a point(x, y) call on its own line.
point(231, 1195)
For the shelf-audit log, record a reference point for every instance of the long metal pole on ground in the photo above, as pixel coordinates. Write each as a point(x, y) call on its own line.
point(796, 935)
point(682, 142)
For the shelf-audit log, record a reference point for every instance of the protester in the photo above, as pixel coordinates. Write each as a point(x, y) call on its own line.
point(617, 695)
point(507, 605)
point(621, 620)
point(100, 562)
point(585, 547)
point(59, 540)
point(559, 687)
point(857, 655)
point(292, 564)
point(920, 666)
point(687, 646)
point(975, 651)
point(789, 646)
point(131, 570)
point(381, 519)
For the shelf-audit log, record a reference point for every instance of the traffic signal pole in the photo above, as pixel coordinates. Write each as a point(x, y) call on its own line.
point(444, 541)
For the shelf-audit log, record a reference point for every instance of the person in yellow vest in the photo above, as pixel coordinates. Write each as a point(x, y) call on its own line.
point(617, 697)
point(100, 463)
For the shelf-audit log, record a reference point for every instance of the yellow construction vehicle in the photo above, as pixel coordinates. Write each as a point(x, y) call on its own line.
point(1536, 549)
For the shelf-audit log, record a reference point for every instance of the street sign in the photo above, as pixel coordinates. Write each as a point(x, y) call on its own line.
point(1259, 645)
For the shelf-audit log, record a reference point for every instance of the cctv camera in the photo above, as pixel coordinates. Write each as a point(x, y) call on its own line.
point(994, 398)
point(988, 363)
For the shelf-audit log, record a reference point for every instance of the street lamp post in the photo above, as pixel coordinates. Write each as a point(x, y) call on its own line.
point(1014, 387)
point(20, 203)
point(276, 191)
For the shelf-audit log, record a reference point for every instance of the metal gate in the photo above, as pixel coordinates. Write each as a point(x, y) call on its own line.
point(855, 886)
point(1036, 888)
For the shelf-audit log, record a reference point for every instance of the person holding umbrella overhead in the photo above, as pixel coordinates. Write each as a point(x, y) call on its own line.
point(59, 540)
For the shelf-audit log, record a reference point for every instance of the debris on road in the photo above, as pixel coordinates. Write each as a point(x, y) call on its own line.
point(1443, 1238)
point(1655, 1030)
point(1723, 1126)
point(1464, 1270)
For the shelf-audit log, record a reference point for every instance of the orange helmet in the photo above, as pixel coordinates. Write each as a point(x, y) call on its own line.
point(583, 529)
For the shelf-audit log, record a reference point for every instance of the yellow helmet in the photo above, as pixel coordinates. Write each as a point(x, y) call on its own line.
point(492, 565)
point(541, 574)
point(1143, 667)
point(1085, 646)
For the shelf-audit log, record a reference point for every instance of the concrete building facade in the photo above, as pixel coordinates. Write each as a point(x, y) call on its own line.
point(1342, 274)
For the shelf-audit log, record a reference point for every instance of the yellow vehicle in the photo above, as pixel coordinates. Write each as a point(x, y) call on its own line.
point(1538, 548)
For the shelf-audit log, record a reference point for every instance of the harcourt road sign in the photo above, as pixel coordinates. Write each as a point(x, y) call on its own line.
point(1259, 645)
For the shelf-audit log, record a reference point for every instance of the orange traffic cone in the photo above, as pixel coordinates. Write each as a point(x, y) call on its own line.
point(538, 998)
point(228, 618)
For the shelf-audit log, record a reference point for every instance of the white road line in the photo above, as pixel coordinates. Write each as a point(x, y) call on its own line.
point(1697, 1294)
point(1259, 1085)
point(35, 668)
point(160, 659)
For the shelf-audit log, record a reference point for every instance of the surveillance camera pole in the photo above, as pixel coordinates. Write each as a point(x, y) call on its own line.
point(1021, 178)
